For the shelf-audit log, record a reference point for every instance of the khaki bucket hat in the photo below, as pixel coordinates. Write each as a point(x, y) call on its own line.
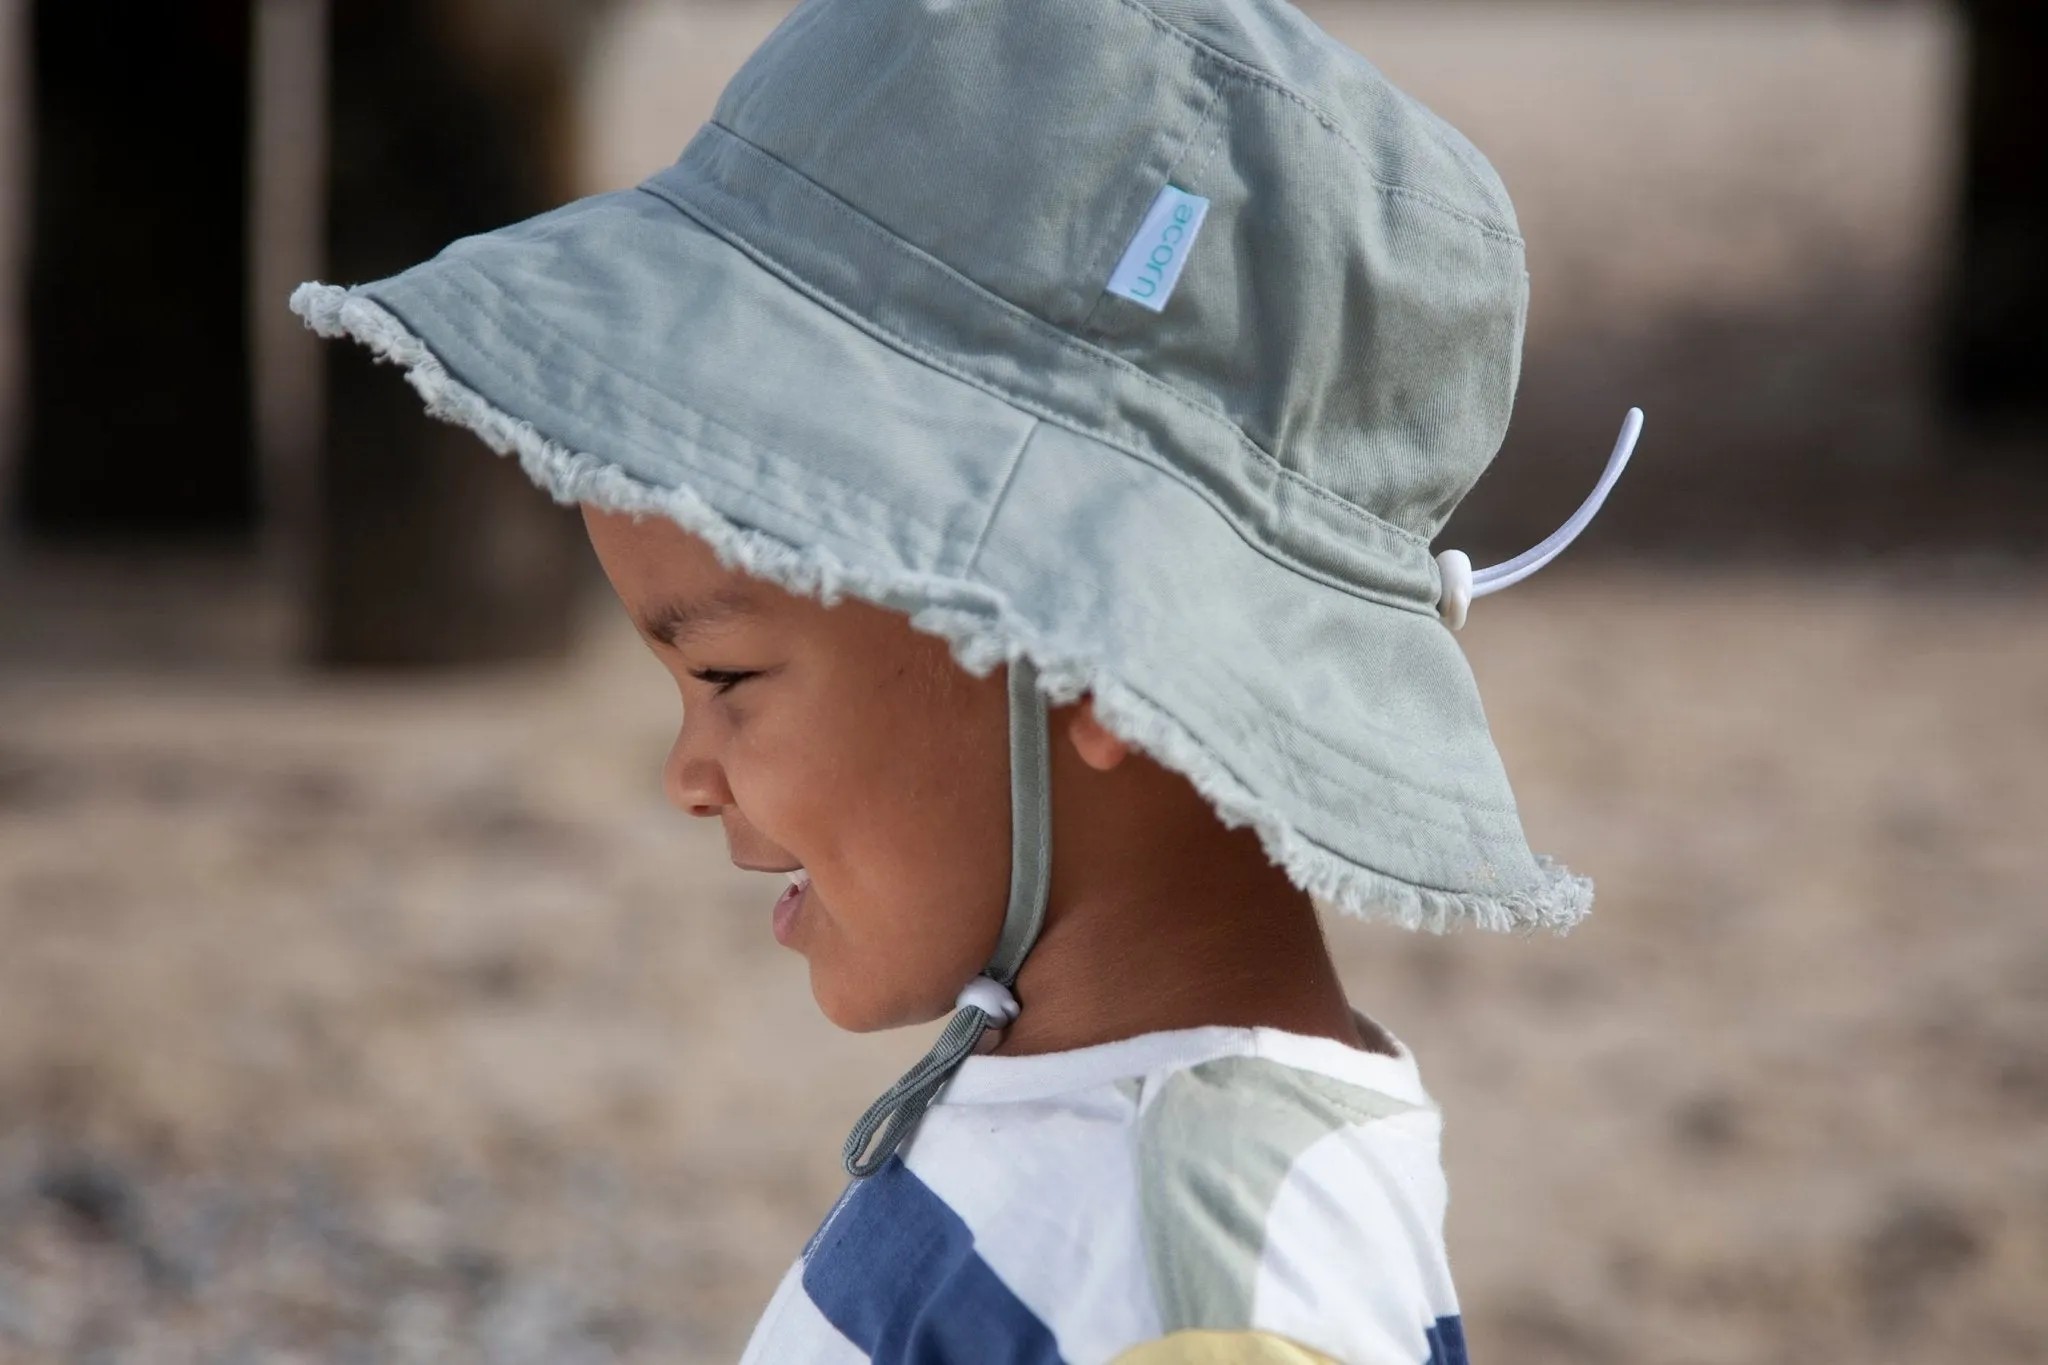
point(1143, 344)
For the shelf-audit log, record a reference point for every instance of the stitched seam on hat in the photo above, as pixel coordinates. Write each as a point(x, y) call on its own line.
point(1215, 146)
point(1245, 71)
point(1059, 336)
point(1065, 422)
point(995, 506)
point(543, 324)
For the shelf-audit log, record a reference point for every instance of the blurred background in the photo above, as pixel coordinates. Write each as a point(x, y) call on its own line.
point(361, 1000)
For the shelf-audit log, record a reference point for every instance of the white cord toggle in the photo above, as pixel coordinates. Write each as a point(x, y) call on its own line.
point(1455, 566)
point(1462, 583)
point(991, 997)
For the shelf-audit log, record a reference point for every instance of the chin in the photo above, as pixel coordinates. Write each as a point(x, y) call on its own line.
point(858, 1008)
point(851, 1009)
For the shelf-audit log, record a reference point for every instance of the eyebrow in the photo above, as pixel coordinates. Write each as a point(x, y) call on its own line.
point(678, 621)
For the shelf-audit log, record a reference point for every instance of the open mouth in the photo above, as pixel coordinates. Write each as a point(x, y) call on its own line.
point(789, 905)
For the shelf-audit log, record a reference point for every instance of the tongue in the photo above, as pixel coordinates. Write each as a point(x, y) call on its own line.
point(786, 905)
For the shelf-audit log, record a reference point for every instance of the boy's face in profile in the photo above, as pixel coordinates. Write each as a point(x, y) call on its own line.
point(840, 742)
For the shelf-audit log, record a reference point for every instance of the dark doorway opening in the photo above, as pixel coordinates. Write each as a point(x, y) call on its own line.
point(137, 421)
point(1997, 362)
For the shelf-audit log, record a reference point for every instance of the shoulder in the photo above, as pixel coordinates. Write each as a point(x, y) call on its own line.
point(1281, 1199)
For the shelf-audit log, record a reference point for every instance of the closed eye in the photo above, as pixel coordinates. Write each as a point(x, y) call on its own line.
point(723, 680)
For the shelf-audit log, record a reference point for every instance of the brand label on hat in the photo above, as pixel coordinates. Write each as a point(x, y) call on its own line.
point(1151, 264)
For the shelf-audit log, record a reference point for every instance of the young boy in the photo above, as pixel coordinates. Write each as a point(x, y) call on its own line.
point(1019, 426)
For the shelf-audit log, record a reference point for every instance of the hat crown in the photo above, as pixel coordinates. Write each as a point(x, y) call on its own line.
point(1353, 303)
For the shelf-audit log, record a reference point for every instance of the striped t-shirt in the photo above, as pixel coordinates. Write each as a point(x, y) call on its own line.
point(1213, 1195)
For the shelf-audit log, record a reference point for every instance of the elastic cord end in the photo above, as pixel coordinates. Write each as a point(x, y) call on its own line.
point(891, 1119)
point(1455, 600)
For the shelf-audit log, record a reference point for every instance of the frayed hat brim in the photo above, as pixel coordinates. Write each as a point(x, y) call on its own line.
point(972, 584)
point(982, 634)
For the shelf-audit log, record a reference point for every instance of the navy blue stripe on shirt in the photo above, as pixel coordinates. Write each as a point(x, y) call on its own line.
point(1447, 1342)
point(895, 1270)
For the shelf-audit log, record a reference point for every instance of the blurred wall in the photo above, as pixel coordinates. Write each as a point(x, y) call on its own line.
point(1738, 217)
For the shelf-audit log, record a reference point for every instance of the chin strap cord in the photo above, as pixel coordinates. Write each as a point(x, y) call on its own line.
point(986, 1002)
point(1462, 583)
point(893, 1117)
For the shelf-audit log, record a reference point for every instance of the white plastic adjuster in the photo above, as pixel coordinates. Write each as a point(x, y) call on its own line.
point(991, 997)
point(1456, 568)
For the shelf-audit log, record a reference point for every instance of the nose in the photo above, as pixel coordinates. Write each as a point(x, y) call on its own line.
point(694, 782)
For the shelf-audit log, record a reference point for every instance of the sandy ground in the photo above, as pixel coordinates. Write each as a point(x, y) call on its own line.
point(345, 1020)
point(356, 1019)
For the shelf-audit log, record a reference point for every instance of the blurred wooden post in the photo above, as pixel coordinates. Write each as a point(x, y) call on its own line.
point(136, 407)
point(1997, 362)
point(431, 549)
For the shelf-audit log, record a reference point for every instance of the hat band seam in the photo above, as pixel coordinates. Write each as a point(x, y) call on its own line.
point(1419, 603)
point(542, 324)
point(660, 186)
point(1051, 416)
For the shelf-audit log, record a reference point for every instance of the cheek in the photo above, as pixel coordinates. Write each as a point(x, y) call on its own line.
point(904, 822)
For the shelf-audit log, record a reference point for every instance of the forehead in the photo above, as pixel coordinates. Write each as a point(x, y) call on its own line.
point(650, 554)
point(670, 580)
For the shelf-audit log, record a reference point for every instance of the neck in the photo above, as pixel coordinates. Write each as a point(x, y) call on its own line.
point(1146, 935)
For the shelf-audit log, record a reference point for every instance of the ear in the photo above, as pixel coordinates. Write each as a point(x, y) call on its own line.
point(1098, 748)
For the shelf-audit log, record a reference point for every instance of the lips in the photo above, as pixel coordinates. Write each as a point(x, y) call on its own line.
point(789, 905)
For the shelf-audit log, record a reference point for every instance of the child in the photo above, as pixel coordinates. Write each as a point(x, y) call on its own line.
point(1019, 425)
